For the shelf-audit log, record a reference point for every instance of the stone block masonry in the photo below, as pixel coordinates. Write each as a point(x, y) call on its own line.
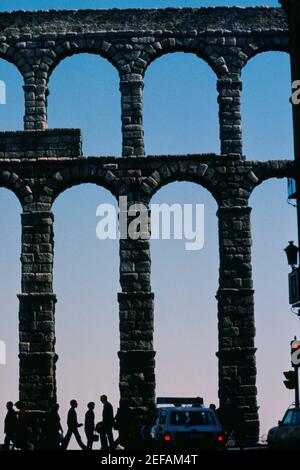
point(38, 164)
point(54, 143)
point(226, 38)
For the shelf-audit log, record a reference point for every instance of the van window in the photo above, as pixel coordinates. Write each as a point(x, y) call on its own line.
point(191, 418)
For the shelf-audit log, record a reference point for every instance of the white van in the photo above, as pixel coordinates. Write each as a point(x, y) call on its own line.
point(187, 424)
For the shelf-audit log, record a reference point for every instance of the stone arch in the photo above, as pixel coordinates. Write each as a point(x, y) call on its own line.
point(192, 171)
point(198, 312)
point(13, 182)
point(97, 279)
point(51, 62)
point(15, 56)
point(260, 142)
point(204, 51)
point(262, 171)
point(259, 172)
point(75, 175)
point(68, 48)
point(270, 215)
point(278, 43)
point(193, 110)
point(10, 279)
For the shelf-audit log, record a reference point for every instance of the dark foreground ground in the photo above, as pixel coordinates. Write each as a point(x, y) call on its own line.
point(231, 458)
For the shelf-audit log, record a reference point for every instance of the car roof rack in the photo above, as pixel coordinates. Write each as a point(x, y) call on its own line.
point(179, 401)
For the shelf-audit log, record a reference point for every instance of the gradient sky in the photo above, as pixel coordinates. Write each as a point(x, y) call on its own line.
point(180, 116)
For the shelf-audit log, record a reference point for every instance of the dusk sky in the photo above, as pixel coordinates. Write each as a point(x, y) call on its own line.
point(180, 116)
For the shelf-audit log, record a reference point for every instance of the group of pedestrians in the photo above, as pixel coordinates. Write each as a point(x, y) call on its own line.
point(16, 426)
point(17, 423)
point(104, 428)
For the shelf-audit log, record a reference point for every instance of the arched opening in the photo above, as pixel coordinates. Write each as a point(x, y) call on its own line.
point(185, 283)
point(267, 119)
point(11, 97)
point(11, 118)
point(10, 286)
point(84, 93)
point(267, 123)
point(275, 324)
point(180, 106)
point(86, 285)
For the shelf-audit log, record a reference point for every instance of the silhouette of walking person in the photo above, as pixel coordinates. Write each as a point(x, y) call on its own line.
point(53, 428)
point(10, 425)
point(73, 426)
point(107, 424)
point(89, 424)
